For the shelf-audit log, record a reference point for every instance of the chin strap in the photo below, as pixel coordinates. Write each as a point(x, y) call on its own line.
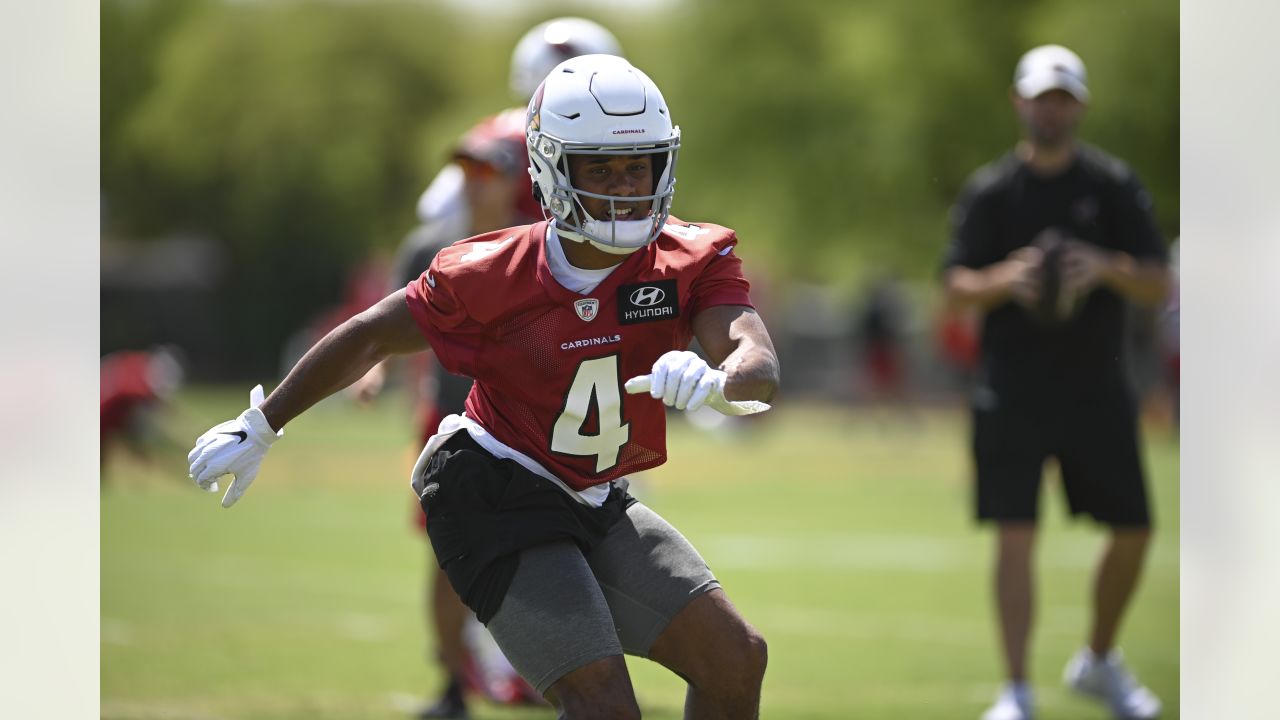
point(627, 235)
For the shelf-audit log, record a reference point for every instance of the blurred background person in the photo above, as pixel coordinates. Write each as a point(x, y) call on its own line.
point(498, 193)
point(956, 341)
point(1052, 241)
point(134, 391)
point(541, 48)
point(485, 187)
point(880, 332)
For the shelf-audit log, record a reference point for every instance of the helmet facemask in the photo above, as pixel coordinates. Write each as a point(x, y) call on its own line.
point(619, 237)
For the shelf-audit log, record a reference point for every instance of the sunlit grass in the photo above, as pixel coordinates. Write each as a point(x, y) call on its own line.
point(844, 537)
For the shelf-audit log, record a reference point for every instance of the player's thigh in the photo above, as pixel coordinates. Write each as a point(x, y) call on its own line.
point(1102, 471)
point(553, 619)
point(648, 573)
point(1009, 450)
point(711, 645)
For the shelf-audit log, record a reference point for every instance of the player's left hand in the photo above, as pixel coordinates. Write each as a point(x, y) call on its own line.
point(1083, 268)
point(235, 447)
point(684, 381)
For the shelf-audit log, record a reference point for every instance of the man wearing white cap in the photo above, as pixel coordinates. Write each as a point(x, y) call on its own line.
point(1049, 243)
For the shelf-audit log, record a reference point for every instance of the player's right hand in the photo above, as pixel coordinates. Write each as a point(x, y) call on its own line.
point(684, 381)
point(1021, 271)
point(235, 447)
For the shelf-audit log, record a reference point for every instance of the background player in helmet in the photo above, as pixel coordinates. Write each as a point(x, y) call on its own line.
point(497, 191)
point(485, 187)
point(526, 493)
point(538, 51)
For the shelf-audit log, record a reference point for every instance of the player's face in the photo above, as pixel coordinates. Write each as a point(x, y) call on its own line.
point(620, 175)
point(1050, 118)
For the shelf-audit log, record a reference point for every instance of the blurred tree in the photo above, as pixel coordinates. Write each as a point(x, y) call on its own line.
point(292, 132)
point(832, 136)
point(132, 35)
point(837, 135)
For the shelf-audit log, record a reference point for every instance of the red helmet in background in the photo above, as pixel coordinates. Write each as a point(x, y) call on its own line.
point(499, 141)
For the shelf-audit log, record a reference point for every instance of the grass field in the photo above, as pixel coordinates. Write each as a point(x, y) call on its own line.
point(844, 537)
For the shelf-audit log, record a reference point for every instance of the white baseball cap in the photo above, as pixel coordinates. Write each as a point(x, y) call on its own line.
point(1051, 67)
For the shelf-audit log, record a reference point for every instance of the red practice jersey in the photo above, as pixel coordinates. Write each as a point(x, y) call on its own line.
point(124, 387)
point(549, 364)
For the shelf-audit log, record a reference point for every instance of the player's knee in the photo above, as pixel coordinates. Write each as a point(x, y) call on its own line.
point(597, 704)
point(740, 665)
point(599, 690)
point(755, 655)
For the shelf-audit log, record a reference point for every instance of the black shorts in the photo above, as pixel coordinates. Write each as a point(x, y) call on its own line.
point(1096, 448)
point(485, 510)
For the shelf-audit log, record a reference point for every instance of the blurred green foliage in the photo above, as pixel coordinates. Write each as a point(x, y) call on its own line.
point(837, 134)
point(832, 135)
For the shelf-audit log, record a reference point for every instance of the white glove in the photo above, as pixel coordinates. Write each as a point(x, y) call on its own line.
point(684, 381)
point(235, 447)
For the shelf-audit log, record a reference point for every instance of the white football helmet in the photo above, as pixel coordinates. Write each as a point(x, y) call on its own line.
point(600, 105)
point(550, 44)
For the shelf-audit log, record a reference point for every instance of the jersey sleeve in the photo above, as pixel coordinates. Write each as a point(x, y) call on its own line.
point(1137, 228)
point(972, 230)
point(441, 315)
point(721, 281)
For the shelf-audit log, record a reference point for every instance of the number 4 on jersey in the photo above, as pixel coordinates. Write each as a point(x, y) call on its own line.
point(687, 233)
point(598, 379)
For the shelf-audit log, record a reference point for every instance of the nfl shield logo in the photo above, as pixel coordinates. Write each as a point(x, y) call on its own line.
point(587, 308)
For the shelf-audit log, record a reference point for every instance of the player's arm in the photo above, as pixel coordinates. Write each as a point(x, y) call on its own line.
point(978, 274)
point(1136, 268)
point(1143, 281)
point(1014, 278)
point(237, 447)
point(344, 356)
point(737, 342)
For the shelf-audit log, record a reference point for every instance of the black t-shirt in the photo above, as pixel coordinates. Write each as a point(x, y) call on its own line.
point(1003, 207)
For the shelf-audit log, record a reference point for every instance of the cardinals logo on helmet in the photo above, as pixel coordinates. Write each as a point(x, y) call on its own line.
point(533, 121)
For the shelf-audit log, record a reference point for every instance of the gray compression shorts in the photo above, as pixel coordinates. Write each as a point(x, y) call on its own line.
point(564, 611)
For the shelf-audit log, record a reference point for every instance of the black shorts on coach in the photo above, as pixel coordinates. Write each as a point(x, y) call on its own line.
point(1097, 449)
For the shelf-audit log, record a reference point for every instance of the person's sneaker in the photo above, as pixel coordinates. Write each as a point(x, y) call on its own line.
point(450, 706)
point(1109, 681)
point(1014, 703)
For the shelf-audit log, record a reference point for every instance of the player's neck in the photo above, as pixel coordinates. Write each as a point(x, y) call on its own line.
point(586, 256)
point(1047, 160)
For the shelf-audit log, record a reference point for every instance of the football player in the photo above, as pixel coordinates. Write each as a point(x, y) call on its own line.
point(576, 331)
point(485, 187)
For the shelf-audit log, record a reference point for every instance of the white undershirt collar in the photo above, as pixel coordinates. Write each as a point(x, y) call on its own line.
point(579, 280)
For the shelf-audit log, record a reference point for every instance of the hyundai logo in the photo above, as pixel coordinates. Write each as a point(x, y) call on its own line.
point(647, 296)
